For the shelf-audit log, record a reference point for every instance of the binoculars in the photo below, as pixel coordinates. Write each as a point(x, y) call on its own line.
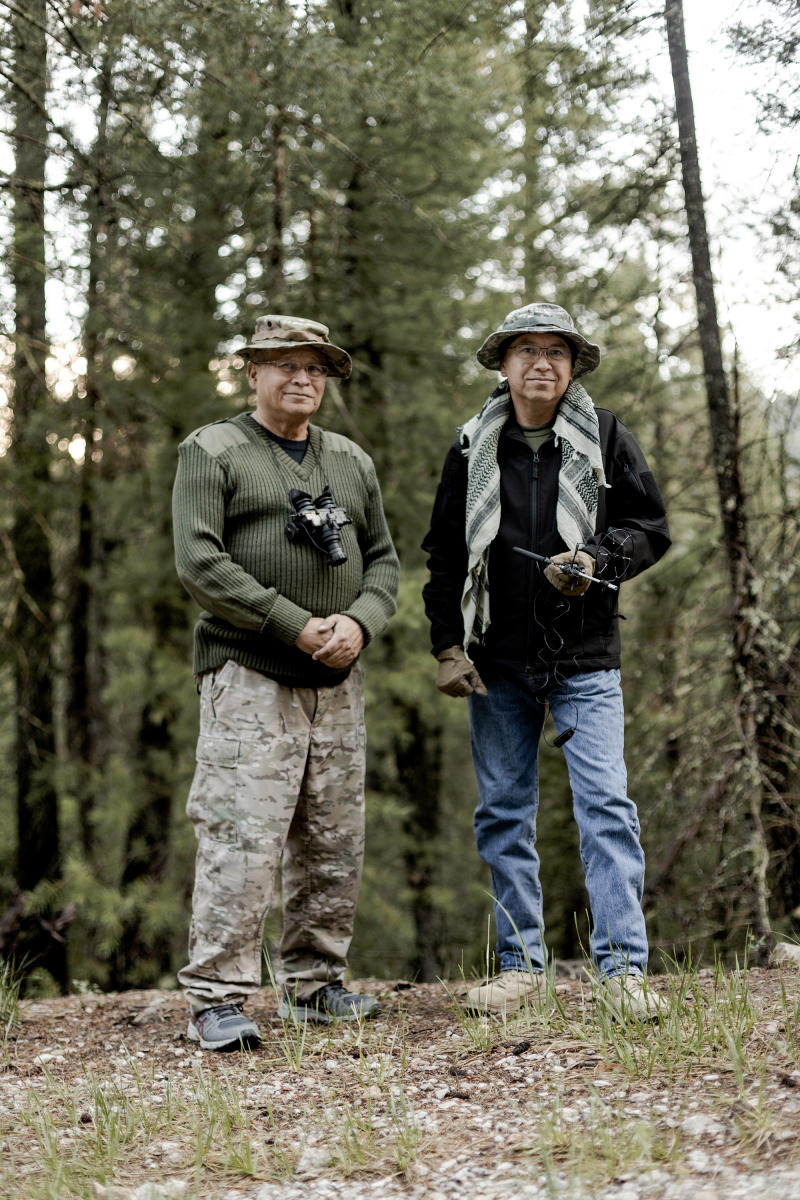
point(319, 521)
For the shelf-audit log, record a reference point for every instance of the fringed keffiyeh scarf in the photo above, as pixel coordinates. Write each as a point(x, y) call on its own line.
point(580, 475)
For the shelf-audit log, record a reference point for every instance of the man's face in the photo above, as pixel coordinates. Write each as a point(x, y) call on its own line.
point(537, 379)
point(287, 398)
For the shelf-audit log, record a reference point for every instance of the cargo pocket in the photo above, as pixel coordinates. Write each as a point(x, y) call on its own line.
point(212, 798)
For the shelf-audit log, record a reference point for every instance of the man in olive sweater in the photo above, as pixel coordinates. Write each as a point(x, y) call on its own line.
point(281, 538)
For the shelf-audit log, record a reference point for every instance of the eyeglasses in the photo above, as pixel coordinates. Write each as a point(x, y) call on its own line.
point(289, 368)
point(554, 354)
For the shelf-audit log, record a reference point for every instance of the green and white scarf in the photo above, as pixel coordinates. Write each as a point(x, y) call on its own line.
point(580, 475)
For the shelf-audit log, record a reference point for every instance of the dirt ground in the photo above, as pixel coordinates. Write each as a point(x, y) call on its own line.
point(419, 1102)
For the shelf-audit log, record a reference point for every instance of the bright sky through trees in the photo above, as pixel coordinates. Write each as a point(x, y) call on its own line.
point(746, 174)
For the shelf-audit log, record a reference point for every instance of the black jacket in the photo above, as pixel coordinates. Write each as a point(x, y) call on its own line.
point(533, 626)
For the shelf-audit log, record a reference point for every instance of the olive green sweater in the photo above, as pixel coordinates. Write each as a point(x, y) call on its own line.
point(258, 589)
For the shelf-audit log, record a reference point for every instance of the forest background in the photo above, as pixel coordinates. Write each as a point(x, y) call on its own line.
point(176, 167)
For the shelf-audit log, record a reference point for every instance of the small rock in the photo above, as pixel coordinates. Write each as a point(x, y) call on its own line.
point(171, 1189)
point(701, 1124)
point(312, 1162)
point(171, 1152)
point(786, 954)
point(698, 1160)
point(150, 1014)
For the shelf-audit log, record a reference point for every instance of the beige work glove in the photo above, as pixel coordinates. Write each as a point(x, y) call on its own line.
point(457, 676)
point(570, 585)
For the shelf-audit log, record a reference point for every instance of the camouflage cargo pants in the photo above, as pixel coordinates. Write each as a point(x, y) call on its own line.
point(279, 783)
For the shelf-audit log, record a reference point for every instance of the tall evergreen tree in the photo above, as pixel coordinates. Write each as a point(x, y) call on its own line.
point(31, 634)
point(764, 728)
point(406, 182)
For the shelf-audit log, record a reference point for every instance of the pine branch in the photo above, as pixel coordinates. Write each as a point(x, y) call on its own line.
point(368, 169)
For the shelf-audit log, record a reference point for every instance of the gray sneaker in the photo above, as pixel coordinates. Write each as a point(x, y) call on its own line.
point(224, 1027)
point(328, 1004)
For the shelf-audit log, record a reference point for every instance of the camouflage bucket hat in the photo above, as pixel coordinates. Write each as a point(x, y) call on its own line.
point(276, 332)
point(539, 318)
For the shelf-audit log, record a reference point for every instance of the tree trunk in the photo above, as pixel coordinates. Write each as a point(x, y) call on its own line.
point(140, 960)
point(32, 633)
point(276, 283)
point(723, 419)
point(84, 720)
point(531, 93)
point(418, 756)
point(763, 727)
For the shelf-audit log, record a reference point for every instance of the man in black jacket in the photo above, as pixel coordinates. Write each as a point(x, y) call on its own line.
point(540, 470)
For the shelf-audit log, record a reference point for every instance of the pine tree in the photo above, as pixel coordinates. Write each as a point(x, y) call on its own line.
point(31, 633)
point(764, 727)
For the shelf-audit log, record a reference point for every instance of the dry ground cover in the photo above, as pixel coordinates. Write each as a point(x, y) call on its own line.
point(103, 1096)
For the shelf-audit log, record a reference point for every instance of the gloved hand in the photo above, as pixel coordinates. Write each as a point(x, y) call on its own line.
point(570, 585)
point(457, 676)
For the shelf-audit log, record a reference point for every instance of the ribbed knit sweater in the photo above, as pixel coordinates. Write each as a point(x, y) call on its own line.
point(256, 588)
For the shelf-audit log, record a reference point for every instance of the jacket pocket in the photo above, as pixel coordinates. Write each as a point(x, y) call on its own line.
point(633, 480)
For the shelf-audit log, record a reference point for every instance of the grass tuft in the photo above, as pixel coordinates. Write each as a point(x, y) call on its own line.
point(587, 1099)
point(10, 981)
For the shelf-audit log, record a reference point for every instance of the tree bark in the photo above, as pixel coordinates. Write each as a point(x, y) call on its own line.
point(84, 720)
point(723, 418)
point(764, 732)
point(276, 282)
point(418, 756)
point(32, 631)
point(531, 93)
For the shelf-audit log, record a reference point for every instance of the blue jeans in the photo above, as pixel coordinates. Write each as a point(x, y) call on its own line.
point(505, 729)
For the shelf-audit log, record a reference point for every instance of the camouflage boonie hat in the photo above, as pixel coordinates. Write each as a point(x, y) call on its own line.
point(539, 318)
point(276, 332)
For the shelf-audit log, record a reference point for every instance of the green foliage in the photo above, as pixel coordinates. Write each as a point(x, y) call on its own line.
point(407, 183)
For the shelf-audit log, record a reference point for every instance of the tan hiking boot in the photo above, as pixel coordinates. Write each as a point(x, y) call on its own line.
point(632, 997)
point(507, 991)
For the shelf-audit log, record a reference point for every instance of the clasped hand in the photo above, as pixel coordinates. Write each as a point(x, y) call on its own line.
point(335, 641)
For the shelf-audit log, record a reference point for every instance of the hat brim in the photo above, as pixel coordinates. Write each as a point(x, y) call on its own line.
point(338, 360)
point(493, 350)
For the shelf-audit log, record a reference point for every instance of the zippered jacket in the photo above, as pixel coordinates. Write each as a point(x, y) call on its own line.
point(533, 626)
